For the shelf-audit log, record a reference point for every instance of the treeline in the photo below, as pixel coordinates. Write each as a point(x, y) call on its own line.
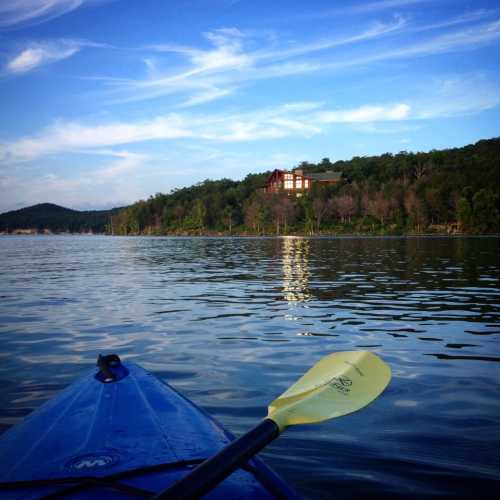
point(47, 217)
point(444, 191)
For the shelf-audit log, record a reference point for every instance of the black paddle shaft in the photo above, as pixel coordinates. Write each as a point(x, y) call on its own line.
point(212, 471)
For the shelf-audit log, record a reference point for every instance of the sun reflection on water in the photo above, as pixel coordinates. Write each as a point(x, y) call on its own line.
point(296, 269)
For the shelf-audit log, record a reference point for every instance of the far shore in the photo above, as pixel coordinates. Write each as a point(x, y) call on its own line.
point(221, 234)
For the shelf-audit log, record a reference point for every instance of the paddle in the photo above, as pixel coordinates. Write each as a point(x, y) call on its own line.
point(338, 384)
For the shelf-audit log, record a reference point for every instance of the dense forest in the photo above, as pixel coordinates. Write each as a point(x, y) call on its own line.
point(448, 191)
point(454, 190)
point(47, 217)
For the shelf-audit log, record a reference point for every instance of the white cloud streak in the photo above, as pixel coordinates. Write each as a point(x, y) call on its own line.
point(42, 53)
point(75, 137)
point(126, 163)
point(455, 95)
point(366, 114)
point(377, 30)
point(296, 120)
point(467, 17)
point(467, 39)
point(219, 70)
point(109, 182)
point(370, 7)
point(18, 13)
point(458, 41)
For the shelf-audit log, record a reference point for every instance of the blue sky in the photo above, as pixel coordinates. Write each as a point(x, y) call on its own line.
point(104, 102)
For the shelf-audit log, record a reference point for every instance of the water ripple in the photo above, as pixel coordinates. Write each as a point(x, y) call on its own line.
point(232, 322)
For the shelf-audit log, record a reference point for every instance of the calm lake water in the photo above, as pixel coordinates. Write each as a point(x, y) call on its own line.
point(232, 322)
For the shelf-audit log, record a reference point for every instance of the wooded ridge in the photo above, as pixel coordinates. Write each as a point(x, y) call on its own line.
point(453, 190)
point(446, 191)
point(50, 218)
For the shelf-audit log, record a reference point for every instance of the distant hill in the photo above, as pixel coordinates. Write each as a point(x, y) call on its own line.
point(47, 217)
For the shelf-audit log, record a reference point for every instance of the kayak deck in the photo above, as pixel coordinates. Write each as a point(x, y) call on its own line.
point(135, 432)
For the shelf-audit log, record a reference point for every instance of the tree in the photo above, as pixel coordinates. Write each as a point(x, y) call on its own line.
point(228, 217)
point(346, 207)
point(411, 189)
point(415, 210)
point(464, 213)
point(484, 211)
point(320, 208)
point(378, 207)
point(179, 213)
point(283, 211)
point(255, 214)
point(198, 214)
point(434, 199)
point(308, 215)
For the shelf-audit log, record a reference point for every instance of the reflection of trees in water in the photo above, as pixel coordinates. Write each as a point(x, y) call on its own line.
point(296, 269)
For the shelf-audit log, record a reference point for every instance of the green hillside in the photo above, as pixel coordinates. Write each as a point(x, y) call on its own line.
point(56, 219)
point(453, 190)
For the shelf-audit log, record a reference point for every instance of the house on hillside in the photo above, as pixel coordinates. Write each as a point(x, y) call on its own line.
point(297, 182)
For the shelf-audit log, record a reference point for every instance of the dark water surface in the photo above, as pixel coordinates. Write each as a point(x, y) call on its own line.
point(232, 322)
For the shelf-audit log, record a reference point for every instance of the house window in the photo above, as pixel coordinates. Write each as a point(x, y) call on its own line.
point(298, 182)
point(306, 183)
point(288, 184)
point(288, 177)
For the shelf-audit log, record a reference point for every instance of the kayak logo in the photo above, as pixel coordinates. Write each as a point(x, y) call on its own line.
point(92, 461)
point(341, 385)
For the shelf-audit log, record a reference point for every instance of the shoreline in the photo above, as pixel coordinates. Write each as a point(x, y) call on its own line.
point(216, 234)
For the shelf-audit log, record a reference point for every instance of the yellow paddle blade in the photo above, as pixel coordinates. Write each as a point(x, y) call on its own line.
point(338, 384)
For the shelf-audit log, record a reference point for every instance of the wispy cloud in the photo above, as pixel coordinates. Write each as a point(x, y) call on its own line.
point(457, 95)
point(304, 119)
point(18, 13)
point(366, 114)
point(42, 53)
point(271, 123)
point(387, 128)
point(369, 7)
point(217, 71)
point(466, 39)
point(206, 95)
point(467, 17)
point(453, 95)
point(75, 137)
point(108, 184)
point(376, 30)
point(125, 162)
